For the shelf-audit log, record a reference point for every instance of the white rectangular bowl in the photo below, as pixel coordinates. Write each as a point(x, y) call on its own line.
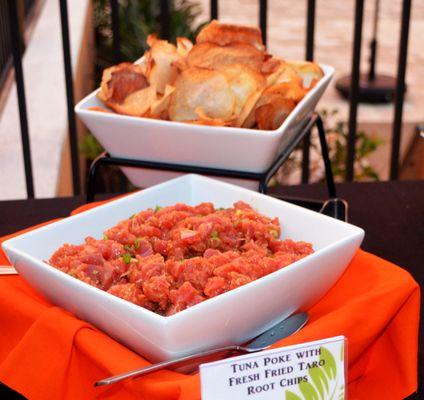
point(231, 148)
point(233, 317)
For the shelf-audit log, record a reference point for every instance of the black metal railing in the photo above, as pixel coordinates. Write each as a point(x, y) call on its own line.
point(5, 40)
point(354, 89)
point(309, 56)
point(400, 88)
point(28, 6)
point(214, 13)
point(73, 142)
point(16, 41)
point(5, 43)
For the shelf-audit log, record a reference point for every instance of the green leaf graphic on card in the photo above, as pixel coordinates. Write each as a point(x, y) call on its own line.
point(320, 380)
point(341, 392)
point(323, 383)
point(308, 391)
point(291, 396)
point(330, 367)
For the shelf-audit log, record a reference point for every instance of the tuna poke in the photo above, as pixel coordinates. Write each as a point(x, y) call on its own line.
point(171, 258)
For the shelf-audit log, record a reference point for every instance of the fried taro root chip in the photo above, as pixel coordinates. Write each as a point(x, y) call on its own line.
point(309, 72)
point(100, 109)
point(210, 55)
point(137, 103)
point(159, 108)
point(280, 72)
point(125, 90)
point(272, 110)
point(120, 81)
point(184, 46)
point(247, 86)
point(161, 62)
point(271, 65)
point(198, 88)
point(274, 106)
point(226, 34)
point(208, 122)
point(288, 90)
point(205, 120)
point(225, 79)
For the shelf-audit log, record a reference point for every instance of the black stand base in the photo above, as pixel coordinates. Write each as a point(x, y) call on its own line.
point(381, 89)
point(333, 207)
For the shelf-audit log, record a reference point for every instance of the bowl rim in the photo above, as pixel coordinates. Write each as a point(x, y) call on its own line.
point(164, 319)
point(81, 110)
point(8, 245)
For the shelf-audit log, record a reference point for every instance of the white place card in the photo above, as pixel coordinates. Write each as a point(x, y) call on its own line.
point(312, 370)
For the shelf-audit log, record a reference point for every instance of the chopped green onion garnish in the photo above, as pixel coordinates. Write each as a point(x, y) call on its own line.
point(274, 233)
point(137, 243)
point(127, 258)
point(157, 208)
point(220, 208)
point(132, 216)
point(215, 241)
point(214, 235)
point(127, 248)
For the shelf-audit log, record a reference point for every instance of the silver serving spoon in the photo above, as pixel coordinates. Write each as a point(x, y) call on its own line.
point(282, 329)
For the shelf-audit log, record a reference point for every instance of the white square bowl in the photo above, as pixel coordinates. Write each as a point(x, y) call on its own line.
point(231, 148)
point(231, 318)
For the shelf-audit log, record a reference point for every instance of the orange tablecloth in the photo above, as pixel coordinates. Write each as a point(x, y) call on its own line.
point(47, 353)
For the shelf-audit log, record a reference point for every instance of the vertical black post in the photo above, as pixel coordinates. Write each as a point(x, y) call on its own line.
point(400, 88)
point(116, 36)
point(214, 9)
point(373, 44)
point(19, 76)
point(309, 55)
point(165, 19)
point(310, 30)
point(263, 16)
point(354, 89)
point(73, 140)
point(373, 58)
point(326, 158)
point(306, 146)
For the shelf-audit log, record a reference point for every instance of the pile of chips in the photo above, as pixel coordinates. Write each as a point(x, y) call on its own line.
point(225, 79)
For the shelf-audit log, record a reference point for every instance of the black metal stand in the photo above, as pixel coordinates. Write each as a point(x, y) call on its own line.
point(333, 207)
point(372, 88)
point(380, 89)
